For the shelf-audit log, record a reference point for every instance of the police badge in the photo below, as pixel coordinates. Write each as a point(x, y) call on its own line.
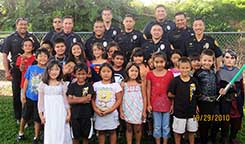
point(74, 40)
point(134, 37)
point(162, 46)
point(114, 32)
point(206, 46)
point(105, 44)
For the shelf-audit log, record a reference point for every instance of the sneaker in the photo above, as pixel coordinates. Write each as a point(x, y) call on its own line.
point(35, 141)
point(19, 137)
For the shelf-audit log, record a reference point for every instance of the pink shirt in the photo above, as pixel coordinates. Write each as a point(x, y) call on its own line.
point(159, 87)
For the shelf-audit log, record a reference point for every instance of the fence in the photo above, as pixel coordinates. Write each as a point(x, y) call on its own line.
point(235, 40)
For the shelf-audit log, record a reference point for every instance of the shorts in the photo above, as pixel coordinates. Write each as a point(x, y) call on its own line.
point(161, 124)
point(180, 125)
point(29, 110)
point(82, 127)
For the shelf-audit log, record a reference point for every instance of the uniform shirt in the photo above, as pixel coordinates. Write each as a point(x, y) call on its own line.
point(34, 76)
point(208, 83)
point(48, 36)
point(112, 32)
point(128, 41)
point(69, 38)
point(13, 44)
point(178, 37)
point(185, 97)
point(81, 110)
point(159, 87)
point(150, 47)
point(89, 43)
point(194, 47)
point(167, 27)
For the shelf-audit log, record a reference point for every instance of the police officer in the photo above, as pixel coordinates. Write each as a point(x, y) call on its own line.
point(57, 28)
point(98, 36)
point(197, 43)
point(13, 45)
point(67, 34)
point(182, 32)
point(110, 30)
point(160, 15)
point(156, 43)
point(129, 38)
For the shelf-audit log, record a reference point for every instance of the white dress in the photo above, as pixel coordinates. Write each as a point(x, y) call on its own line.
point(53, 103)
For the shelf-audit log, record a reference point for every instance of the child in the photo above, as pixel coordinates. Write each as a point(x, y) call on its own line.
point(60, 49)
point(53, 107)
point(68, 70)
point(195, 63)
point(157, 82)
point(174, 58)
point(98, 60)
point(111, 48)
point(77, 54)
point(26, 59)
point(208, 92)
point(79, 96)
point(138, 57)
point(108, 99)
point(231, 103)
point(184, 90)
point(29, 96)
point(133, 108)
point(49, 46)
point(117, 64)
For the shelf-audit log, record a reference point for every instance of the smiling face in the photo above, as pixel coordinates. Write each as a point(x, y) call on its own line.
point(76, 50)
point(207, 62)
point(21, 26)
point(42, 59)
point(160, 14)
point(60, 49)
point(81, 76)
point(68, 25)
point(184, 68)
point(54, 72)
point(133, 72)
point(156, 32)
point(128, 23)
point(180, 21)
point(28, 46)
point(159, 63)
point(99, 28)
point(198, 27)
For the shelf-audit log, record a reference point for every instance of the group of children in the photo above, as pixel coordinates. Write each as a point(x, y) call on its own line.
point(69, 92)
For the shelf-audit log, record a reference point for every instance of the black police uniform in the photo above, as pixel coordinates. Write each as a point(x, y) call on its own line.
point(128, 41)
point(13, 45)
point(112, 32)
point(89, 43)
point(48, 36)
point(69, 38)
point(178, 37)
point(150, 47)
point(194, 47)
point(167, 27)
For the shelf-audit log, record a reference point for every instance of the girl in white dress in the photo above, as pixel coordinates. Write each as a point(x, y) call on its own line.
point(53, 107)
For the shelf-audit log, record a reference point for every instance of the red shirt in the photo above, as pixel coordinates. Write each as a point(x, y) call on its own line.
point(27, 62)
point(159, 88)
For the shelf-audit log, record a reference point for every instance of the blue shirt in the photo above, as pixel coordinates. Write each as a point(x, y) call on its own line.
point(33, 75)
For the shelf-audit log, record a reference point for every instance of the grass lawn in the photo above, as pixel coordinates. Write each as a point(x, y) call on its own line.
point(9, 128)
